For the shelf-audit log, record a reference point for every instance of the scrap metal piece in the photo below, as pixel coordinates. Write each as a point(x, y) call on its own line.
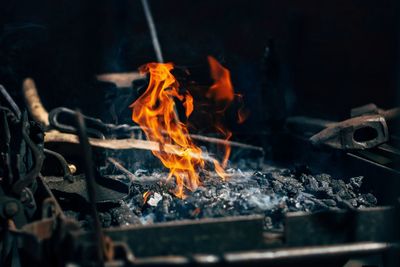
point(111, 191)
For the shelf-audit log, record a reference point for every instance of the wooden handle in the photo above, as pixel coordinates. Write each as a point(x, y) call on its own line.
point(32, 100)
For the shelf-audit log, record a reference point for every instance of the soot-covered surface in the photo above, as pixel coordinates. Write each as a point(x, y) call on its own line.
point(271, 192)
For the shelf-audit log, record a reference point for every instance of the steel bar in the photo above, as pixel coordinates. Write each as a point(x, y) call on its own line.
point(201, 236)
point(116, 144)
point(119, 166)
point(295, 255)
point(153, 31)
point(91, 185)
point(9, 99)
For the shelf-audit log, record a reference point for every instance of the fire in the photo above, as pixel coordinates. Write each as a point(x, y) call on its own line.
point(155, 111)
point(146, 196)
point(222, 93)
point(222, 89)
point(243, 113)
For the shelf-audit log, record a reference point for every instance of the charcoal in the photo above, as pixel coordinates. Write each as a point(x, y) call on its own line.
point(367, 200)
point(341, 189)
point(278, 187)
point(271, 193)
point(353, 202)
point(308, 205)
point(311, 184)
point(329, 202)
point(123, 215)
point(261, 179)
point(323, 178)
point(356, 182)
point(344, 204)
point(105, 219)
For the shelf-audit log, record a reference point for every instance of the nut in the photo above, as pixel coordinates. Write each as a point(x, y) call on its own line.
point(11, 209)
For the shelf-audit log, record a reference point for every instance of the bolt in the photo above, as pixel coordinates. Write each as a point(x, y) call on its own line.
point(11, 209)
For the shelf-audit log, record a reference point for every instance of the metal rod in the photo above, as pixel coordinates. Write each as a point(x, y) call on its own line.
point(153, 31)
point(307, 253)
point(90, 184)
point(9, 99)
point(119, 166)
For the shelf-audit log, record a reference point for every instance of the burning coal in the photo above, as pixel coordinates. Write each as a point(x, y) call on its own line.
point(155, 111)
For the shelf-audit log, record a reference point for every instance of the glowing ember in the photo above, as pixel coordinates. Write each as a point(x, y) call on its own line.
point(146, 196)
point(155, 112)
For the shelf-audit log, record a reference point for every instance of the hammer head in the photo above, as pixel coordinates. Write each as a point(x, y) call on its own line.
point(356, 133)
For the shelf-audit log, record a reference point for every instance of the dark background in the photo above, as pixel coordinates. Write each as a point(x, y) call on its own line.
point(330, 55)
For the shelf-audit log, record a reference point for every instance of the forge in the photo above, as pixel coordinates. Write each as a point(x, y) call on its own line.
point(214, 134)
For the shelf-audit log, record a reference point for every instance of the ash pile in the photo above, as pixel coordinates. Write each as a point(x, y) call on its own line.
point(271, 193)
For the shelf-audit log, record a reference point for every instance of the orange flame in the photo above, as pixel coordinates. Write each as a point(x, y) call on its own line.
point(222, 93)
point(243, 113)
point(222, 89)
point(155, 112)
point(146, 196)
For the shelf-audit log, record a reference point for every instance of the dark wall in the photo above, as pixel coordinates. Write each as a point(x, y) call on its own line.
point(332, 55)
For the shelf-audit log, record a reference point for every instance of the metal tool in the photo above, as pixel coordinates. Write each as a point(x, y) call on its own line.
point(368, 128)
point(153, 31)
point(62, 119)
point(10, 101)
point(91, 186)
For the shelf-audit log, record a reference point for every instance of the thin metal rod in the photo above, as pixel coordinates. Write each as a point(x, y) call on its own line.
point(9, 99)
point(153, 31)
point(90, 184)
point(125, 171)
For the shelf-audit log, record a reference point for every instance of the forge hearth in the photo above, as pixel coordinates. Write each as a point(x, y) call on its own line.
point(258, 206)
point(270, 193)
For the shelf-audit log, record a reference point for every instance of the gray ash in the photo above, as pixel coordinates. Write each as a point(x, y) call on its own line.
point(271, 193)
